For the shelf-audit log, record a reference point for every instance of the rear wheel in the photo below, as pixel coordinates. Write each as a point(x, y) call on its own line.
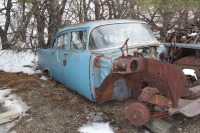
point(47, 74)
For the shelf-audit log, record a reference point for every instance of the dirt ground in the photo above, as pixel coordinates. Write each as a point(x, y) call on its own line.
point(56, 109)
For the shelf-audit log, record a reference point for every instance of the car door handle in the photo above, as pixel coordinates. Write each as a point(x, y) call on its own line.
point(64, 62)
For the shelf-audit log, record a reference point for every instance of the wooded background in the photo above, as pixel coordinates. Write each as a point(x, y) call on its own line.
point(33, 23)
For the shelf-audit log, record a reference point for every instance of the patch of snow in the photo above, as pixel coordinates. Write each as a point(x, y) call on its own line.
point(189, 72)
point(13, 102)
point(4, 128)
point(43, 77)
point(192, 34)
point(11, 61)
point(9, 101)
point(96, 127)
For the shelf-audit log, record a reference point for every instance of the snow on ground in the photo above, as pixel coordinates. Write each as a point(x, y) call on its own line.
point(9, 101)
point(11, 61)
point(96, 127)
point(43, 77)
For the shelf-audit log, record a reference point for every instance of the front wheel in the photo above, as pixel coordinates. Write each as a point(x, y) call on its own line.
point(137, 113)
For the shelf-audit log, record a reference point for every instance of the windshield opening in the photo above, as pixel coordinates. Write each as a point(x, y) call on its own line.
point(108, 36)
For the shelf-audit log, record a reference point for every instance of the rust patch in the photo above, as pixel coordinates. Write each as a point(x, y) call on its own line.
point(64, 62)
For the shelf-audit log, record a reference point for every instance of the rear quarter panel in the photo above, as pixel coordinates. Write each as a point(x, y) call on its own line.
point(44, 59)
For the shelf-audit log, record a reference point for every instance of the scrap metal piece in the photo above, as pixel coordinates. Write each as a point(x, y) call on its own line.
point(137, 113)
point(194, 93)
point(160, 100)
point(147, 93)
point(189, 108)
point(160, 126)
point(125, 44)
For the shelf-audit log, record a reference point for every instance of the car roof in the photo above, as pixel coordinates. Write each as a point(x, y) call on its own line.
point(96, 23)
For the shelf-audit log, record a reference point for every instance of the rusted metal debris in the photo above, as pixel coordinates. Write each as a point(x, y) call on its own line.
point(189, 108)
point(190, 62)
point(167, 78)
point(147, 93)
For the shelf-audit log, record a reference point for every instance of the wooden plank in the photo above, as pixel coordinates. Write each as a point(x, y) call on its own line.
point(9, 116)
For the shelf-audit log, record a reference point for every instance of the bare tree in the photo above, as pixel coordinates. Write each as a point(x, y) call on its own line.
point(4, 29)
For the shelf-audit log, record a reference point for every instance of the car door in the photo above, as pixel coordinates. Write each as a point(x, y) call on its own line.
point(58, 57)
point(77, 66)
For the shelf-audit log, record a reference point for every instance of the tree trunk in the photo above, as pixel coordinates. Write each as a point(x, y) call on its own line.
point(55, 15)
point(40, 19)
point(3, 33)
point(4, 40)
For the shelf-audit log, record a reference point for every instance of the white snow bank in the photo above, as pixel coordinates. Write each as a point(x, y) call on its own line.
point(11, 61)
point(96, 127)
point(9, 101)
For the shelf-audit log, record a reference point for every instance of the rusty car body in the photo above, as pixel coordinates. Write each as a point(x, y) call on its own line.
point(120, 59)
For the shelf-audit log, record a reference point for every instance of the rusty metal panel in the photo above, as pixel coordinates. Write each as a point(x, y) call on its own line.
point(167, 78)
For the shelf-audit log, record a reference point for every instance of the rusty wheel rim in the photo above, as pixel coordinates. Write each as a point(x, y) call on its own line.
point(137, 113)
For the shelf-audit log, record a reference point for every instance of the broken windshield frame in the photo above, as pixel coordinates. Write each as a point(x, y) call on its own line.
point(114, 35)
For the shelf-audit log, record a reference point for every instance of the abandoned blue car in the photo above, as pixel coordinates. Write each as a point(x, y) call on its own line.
point(115, 60)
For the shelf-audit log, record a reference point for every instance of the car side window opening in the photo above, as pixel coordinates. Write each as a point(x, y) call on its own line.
point(78, 40)
point(62, 41)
